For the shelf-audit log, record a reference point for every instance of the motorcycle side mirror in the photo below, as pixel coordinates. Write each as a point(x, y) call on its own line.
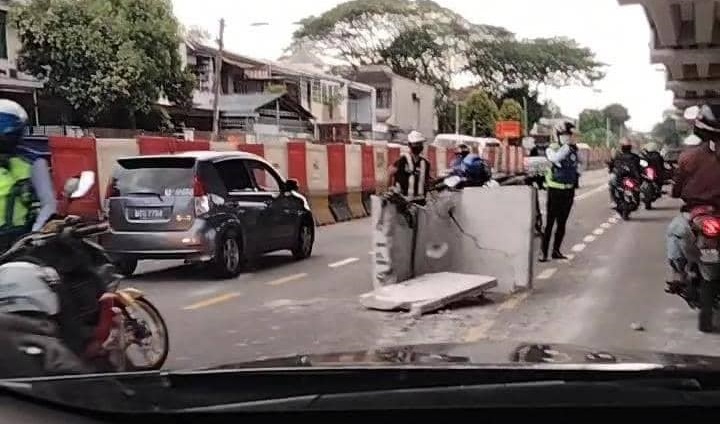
point(78, 187)
point(643, 162)
point(452, 181)
point(691, 113)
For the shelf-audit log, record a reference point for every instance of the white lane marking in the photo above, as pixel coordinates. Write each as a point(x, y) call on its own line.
point(569, 257)
point(613, 220)
point(343, 262)
point(546, 274)
point(605, 225)
point(589, 239)
point(591, 192)
point(372, 252)
point(598, 231)
point(578, 248)
point(287, 279)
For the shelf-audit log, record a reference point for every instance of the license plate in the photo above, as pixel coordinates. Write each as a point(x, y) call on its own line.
point(146, 213)
point(709, 255)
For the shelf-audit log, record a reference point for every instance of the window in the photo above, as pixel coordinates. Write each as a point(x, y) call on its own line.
point(264, 178)
point(3, 35)
point(383, 99)
point(234, 175)
point(324, 94)
point(316, 88)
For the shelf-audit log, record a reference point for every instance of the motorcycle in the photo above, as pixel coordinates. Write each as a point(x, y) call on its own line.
point(627, 197)
point(126, 326)
point(702, 290)
point(650, 188)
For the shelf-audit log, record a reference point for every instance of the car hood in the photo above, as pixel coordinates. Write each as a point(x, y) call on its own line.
point(486, 354)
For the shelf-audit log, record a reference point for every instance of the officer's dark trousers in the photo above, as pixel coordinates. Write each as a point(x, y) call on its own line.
point(559, 204)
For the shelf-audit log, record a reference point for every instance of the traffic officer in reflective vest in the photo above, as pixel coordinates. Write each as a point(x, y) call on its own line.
point(410, 174)
point(561, 179)
point(24, 177)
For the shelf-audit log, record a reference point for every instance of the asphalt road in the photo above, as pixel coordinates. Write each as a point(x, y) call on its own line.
point(613, 282)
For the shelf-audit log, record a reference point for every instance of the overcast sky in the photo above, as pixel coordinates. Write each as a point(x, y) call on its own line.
point(618, 35)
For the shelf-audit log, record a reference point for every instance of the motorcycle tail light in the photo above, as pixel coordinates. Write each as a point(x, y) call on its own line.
point(629, 183)
point(650, 173)
point(711, 227)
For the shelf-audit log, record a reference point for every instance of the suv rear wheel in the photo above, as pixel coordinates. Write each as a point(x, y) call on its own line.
point(228, 259)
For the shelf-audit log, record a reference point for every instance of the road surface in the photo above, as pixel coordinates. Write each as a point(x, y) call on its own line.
point(613, 281)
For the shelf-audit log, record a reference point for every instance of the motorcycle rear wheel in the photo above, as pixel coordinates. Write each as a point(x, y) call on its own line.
point(149, 311)
point(708, 295)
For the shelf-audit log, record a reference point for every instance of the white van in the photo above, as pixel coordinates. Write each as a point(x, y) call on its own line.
point(477, 144)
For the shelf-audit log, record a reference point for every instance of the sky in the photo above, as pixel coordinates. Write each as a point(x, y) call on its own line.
point(619, 36)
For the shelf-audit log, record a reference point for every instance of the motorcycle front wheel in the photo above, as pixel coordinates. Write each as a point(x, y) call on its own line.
point(147, 339)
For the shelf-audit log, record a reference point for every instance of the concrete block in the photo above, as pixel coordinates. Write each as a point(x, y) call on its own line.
point(320, 206)
point(339, 207)
point(428, 292)
point(498, 239)
point(355, 203)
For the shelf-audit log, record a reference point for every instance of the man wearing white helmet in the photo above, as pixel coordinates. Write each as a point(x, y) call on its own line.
point(410, 174)
point(23, 177)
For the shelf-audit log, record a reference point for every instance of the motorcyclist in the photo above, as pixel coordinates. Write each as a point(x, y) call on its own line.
point(696, 183)
point(625, 164)
point(410, 174)
point(655, 160)
point(461, 152)
point(474, 170)
point(23, 178)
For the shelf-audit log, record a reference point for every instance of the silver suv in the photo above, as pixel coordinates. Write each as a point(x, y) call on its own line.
point(223, 208)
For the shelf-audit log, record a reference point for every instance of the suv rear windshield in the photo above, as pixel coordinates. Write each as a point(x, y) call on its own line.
point(155, 176)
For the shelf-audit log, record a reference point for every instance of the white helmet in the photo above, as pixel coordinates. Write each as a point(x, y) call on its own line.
point(692, 140)
point(416, 137)
point(26, 287)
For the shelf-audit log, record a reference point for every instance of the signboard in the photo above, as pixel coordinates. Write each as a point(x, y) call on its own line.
point(508, 129)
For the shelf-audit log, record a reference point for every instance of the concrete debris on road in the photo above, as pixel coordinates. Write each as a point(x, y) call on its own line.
point(637, 326)
point(428, 292)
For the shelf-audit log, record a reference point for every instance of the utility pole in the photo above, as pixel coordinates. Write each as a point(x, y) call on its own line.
point(607, 132)
point(457, 117)
point(525, 116)
point(474, 127)
point(217, 83)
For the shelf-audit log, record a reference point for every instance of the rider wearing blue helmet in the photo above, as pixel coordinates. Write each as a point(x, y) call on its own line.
point(23, 178)
point(475, 171)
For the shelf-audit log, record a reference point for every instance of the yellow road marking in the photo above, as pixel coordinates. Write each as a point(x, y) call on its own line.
point(212, 301)
point(515, 300)
point(287, 279)
point(478, 332)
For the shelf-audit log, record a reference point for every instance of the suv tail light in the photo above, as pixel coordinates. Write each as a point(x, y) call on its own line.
point(110, 191)
point(711, 227)
point(202, 202)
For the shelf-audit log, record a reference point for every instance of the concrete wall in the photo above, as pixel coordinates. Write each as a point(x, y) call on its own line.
point(409, 114)
point(495, 240)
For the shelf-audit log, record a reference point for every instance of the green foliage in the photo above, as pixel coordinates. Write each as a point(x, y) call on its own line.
point(482, 110)
point(591, 119)
point(669, 132)
point(98, 54)
point(534, 107)
point(618, 115)
point(598, 137)
point(423, 41)
point(510, 110)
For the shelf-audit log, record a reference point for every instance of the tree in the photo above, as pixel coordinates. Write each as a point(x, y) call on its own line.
point(534, 108)
point(618, 115)
point(99, 55)
point(668, 132)
point(510, 110)
point(551, 110)
point(481, 110)
point(423, 41)
point(591, 119)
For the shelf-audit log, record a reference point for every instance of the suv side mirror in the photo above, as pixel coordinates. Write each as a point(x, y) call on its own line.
point(292, 185)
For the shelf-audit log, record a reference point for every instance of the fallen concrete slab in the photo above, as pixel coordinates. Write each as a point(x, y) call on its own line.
point(428, 292)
